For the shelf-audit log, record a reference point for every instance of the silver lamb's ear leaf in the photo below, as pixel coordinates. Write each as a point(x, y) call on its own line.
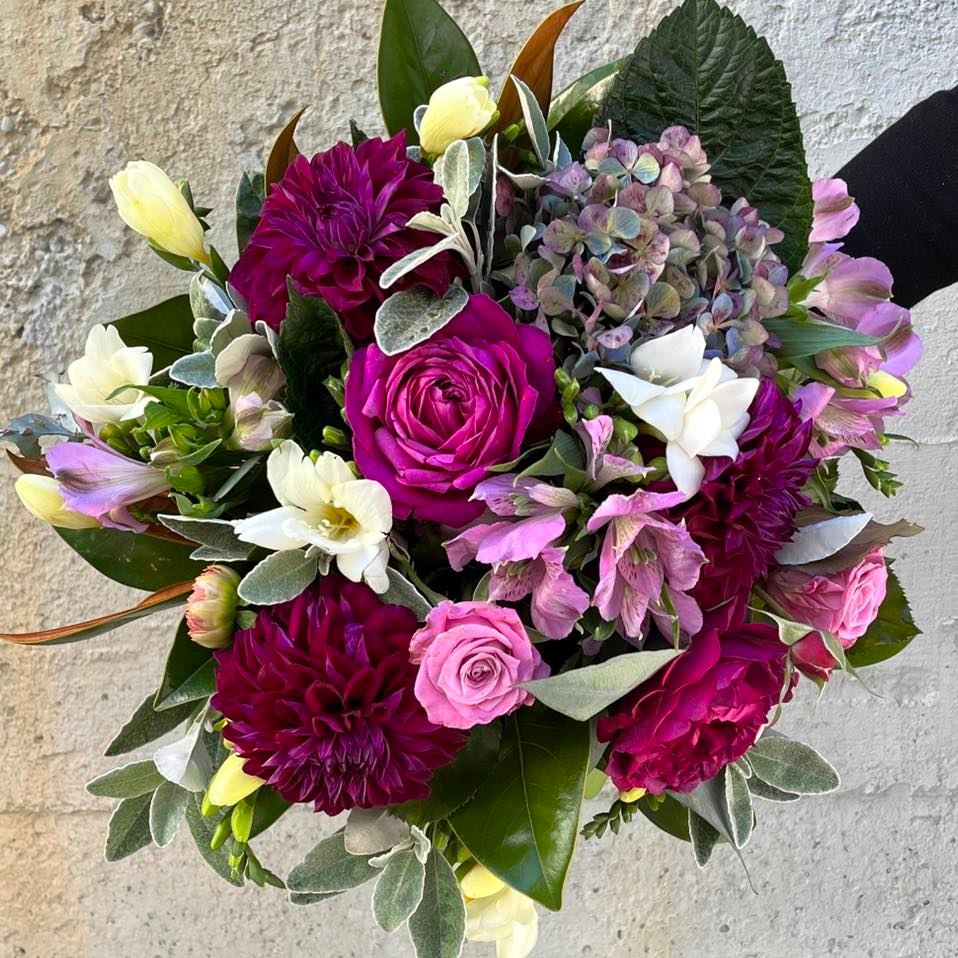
point(454, 177)
point(399, 890)
point(402, 592)
point(330, 868)
point(704, 839)
point(370, 831)
point(186, 761)
point(207, 299)
point(279, 577)
point(413, 315)
point(195, 369)
point(415, 259)
point(129, 828)
point(821, 539)
point(536, 125)
point(438, 926)
point(771, 794)
point(217, 535)
point(167, 810)
point(738, 800)
point(791, 766)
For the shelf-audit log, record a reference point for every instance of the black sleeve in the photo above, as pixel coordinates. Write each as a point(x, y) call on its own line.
point(906, 186)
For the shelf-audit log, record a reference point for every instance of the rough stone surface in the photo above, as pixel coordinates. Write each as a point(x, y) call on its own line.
point(202, 88)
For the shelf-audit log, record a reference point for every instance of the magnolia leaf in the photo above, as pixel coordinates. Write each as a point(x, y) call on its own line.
point(738, 800)
point(330, 868)
point(704, 838)
point(535, 121)
point(821, 539)
point(249, 202)
point(217, 535)
point(666, 814)
point(147, 724)
point(370, 831)
point(892, 630)
point(128, 781)
point(279, 577)
point(534, 66)
point(197, 369)
point(414, 315)
point(129, 828)
point(791, 766)
point(583, 693)
point(166, 330)
point(874, 534)
point(167, 809)
point(399, 890)
point(572, 110)
point(438, 925)
point(283, 153)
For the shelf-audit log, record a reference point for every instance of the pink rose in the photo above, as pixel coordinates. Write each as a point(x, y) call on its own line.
point(703, 711)
point(844, 603)
point(472, 657)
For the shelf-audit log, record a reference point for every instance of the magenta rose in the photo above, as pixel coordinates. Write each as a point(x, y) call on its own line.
point(844, 603)
point(472, 657)
point(429, 423)
point(702, 712)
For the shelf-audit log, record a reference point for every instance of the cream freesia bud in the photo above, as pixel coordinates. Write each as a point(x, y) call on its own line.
point(231, 784)
point(42, 498)
point(211, 607)
point(456, 110)
point(149, 202)
point(496, 912)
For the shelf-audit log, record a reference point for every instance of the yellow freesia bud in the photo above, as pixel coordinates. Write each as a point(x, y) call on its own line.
point(496, 912)
point(231, 784)
point(149, 202)
point(479, 882)
point(632, 795)
point(42, 497)
point(887, 385)
point(456, 110)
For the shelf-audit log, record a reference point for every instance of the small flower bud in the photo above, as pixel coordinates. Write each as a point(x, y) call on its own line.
point(42, 498)
point(211, 607)
point(633, 795)
point(230, 785)
point(456, 111)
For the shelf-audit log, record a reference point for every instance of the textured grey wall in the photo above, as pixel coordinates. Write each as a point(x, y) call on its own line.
point(201, 87)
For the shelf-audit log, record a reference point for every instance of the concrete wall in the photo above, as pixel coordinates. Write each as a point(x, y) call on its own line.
point(202, 88)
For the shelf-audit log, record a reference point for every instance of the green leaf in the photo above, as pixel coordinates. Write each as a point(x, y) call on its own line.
point(791, 766)
point(454, 785)
point(738, 801)
point(216, 534)
point(202, 829)
point(128, 781)
point(167, 809)
point(402, 592)
point(891, 632)
point(411, 316)
point(523, 821)
point(165, 329)
point(189, 674)
point(281, 576)
point(330, 868)
point(667, 814)
point(708, 801)
point(147, 725)
point(572, 110)
point(25, 432)
point(771, 794)
point(535, 121)
point(129, 828)
point(270, 806)
point(399, 890)
point(420, 49)
point(138, 561)
point(311, 347)
point(438, 926)
point(705, 69)
point(704, 838)
point(249, 201)
point(804, 338)
point(583, 693)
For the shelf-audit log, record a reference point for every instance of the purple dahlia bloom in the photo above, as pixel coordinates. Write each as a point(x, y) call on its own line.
point(334, 223)
point(746, 508)
point(319, 697)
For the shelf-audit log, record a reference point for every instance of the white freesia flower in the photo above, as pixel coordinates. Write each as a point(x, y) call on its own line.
point(323, 504)
point(699, 406)
point(106, 365)
point(496, 912)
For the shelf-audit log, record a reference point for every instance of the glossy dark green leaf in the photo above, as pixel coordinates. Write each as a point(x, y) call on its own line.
point(312, 346)
point(189, 674)
point(667, 814)
point(703, 67)
point(804, 338)
point(890, 633)
point(453, 786)
point(165, 329)
point(523, 822)
point(420, 48)
point(249, 201)
point(573, 109)
point(269, 807)
point(283, 153)
point(139, 561)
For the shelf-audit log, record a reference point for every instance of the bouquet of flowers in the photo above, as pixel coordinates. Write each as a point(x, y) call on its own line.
point(500, 465)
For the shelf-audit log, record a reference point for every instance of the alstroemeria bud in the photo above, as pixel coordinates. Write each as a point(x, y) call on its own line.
point(256, 424)
point(456, 111)
point(149, 202)
point(211, 607)
point(231, 784)
point(42, 498)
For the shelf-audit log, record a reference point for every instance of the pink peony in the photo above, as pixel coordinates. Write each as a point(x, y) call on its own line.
point(472, 657)
point(844, 603)
point(334, 223)
point(429, 423)
point(702, 712)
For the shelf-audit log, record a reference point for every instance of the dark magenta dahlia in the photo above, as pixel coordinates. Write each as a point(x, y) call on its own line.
point(319, 697)
point(334, 223)
point(746, 508)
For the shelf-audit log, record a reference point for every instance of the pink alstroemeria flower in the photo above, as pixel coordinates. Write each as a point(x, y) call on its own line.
point(602, 467)
point(851, 287)
point(642, 553)
point(843, 422)
point(98, 481)
point(834, 213)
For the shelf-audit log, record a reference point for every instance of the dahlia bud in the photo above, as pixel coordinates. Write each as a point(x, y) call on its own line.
point(149, 202)
point(457, 110)
point(42, 498)
point(231, 784)
point(211, 607)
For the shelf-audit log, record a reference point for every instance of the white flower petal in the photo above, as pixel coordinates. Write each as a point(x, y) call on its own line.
point(633, 390)
point(702, 425)
point(268, 529)
point(665, 413)
point(368, 502)
point(733, 399)
point(670, 358)
point(278, 466)
point(332, 469)
point(722, 445)
point(687, 471)
point(368, 563)
point(703, 385)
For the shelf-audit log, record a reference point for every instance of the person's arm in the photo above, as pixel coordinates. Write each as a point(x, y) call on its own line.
point(906, 185)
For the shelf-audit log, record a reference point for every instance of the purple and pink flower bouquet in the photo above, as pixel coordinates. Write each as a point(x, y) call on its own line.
point(500, 465)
